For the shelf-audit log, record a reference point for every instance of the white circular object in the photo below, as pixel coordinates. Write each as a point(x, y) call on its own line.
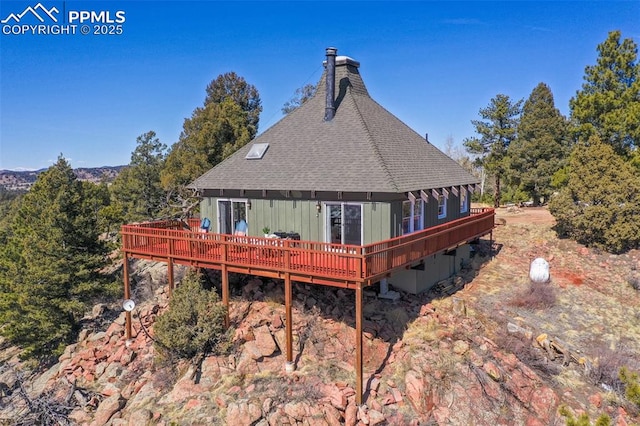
point(128, 305)
point(539, 272)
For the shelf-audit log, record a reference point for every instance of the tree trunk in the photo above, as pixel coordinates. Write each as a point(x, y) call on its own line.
point(496, 194)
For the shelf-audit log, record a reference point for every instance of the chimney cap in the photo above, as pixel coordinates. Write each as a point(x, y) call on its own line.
point(332, 51)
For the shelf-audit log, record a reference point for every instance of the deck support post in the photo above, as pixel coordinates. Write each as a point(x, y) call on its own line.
point(288, 292)
point(127, 295)
point(225, 293)
point(170, 276)
point(359, 391)
point(491, 244)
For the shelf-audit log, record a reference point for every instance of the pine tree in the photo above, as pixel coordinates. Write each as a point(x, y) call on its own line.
point(541, 147)
point(496, 132)
point(137, 190)
point(227, 121)
point(609, 103)
point(49, 265)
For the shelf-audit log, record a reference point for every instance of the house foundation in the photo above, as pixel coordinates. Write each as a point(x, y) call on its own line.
point(431, 270)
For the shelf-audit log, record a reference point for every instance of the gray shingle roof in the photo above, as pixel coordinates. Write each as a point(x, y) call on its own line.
point(364, 148)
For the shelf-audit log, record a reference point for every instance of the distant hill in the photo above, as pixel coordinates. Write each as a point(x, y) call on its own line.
point(13, 180)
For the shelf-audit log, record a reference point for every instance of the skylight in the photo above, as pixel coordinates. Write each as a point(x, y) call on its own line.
point(257, 151)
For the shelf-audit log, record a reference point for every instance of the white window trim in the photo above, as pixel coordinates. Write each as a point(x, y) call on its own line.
point(464, 200)
point(412, 216)
point(444, 206)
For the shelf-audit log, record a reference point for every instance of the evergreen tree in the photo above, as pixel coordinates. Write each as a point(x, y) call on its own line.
point(137, 189)
point(541, 147)
point(227, 121)
point(49, 264)
point(301, 95)
point(496, 132)
point(609, 103)
point(231, 86)
point(600, 203)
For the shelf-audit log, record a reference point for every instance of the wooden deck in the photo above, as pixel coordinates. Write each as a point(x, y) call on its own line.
point(306, 261)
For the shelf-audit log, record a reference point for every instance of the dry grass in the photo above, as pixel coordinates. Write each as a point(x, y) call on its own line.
point(423, 329)
point(534, 297)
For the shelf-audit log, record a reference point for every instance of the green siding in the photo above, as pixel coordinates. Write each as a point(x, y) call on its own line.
point(381, 220)
point(301, 216)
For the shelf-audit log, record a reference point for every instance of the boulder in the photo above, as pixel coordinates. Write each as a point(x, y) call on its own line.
point(107, 409)
point(264, 341)
point(243, 413)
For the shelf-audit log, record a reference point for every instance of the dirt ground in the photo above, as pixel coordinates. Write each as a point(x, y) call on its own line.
point(595, 309)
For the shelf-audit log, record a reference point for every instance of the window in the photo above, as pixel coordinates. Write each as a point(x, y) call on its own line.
point(343, 223)
point(412, 216)
point(442, 206)
point(464, 200)
point(230, 214)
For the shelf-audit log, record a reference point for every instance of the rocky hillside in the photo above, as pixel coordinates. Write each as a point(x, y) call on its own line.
point(483, 348)
point(22, 180)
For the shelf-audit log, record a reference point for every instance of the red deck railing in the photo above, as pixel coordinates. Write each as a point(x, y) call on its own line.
point(182, 242)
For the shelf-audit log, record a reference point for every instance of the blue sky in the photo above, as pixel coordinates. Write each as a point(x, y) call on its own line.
point(432, 64)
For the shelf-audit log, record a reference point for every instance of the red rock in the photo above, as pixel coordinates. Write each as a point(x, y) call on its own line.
point(222, 401)
point(117, 356)
point(492, 370)
point(388, 399)
point(264, 341)
point(331, 415)
point(596, 400)
point(114, 329)
point(298, 410)
point(107, 409)
point(127, 357)
point(337, 397)
point(532, 421)
point(414, 389)
point(397, 395)
point(243, 413)
point(442, 415)
point(85, 354)
point(140, 417)
point(192, 403)
point(109, 390)
point(622, 417)
point(520, 385)
point(375, 417)
point(544, 402)
point(351, 415)
point(276, 321)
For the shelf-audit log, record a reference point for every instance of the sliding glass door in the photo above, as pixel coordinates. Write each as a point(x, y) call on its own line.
point(343, 223)
point(230, 212)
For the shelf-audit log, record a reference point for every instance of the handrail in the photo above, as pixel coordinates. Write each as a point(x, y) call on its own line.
point(181, 241)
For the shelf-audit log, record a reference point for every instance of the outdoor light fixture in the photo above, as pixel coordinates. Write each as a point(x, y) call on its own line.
point(249, 204)
point(318, 206)
point(128, 305)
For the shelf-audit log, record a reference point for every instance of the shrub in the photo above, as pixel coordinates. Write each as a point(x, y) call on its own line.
point(599, 204)
point(536, 296)
point(632, 385)
point(194, 322)
point(583, 419)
